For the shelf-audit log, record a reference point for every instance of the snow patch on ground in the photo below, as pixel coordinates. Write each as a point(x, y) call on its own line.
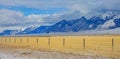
point(35, 54)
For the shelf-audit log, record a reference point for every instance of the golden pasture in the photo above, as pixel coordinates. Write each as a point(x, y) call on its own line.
point(99, 44)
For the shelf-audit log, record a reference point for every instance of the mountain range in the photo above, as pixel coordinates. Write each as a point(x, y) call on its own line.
point(105, 21)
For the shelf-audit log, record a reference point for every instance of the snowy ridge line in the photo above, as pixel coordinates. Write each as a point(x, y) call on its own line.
point(82, 33)
point(97, 25)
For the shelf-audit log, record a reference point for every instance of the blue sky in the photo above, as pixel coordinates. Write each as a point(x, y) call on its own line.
point(19, 14)
point(28, 11)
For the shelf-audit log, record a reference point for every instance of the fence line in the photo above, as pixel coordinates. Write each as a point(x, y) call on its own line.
point(64, 40)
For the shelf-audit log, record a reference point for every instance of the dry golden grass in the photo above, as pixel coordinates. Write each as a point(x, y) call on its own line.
point(99, 45)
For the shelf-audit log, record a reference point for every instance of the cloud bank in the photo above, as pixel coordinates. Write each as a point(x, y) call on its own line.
point(13, 12)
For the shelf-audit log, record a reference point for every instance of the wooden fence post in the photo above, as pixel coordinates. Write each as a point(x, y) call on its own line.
point(49, 41)
point(27, 40)
point(63, 42)
point(112, 44)
point(1, 40)
point(9, 40)
point(14, 40)
point(37, 40)
point(84, 43)
point(5, 40)
point(20, 40)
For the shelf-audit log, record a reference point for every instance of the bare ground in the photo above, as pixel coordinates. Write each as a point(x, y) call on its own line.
point(7, 53)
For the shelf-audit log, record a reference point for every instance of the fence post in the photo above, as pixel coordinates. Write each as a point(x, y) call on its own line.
point(14, 40)
point(49, 41)
point(5, 40)
point(1, 39)
point(63, 42)
point(20, 40)
point(37, 40)
point(5, 43)
point(84, 43)
point(112, 44)
point(9, 43)
point(27, 40)
point(9, 40)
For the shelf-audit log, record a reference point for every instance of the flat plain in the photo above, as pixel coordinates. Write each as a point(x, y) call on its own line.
point(101, 45)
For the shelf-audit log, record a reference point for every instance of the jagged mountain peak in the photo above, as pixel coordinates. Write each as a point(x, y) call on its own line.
point(62, 21)
point(82, 18)
point(110, 14)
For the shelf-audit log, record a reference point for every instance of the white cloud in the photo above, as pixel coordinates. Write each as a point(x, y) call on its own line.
point(10, 19)
point(16, 20)
point(8, 16)
point(82, 5)
point(110, 4)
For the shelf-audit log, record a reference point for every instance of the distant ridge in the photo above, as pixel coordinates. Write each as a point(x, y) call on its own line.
point(106, 21)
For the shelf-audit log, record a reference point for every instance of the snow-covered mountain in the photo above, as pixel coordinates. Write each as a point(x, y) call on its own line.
point(105, 21)
point(9, 32)
point(112, 19)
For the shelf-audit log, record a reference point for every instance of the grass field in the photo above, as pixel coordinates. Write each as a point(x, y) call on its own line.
point(99, 44)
